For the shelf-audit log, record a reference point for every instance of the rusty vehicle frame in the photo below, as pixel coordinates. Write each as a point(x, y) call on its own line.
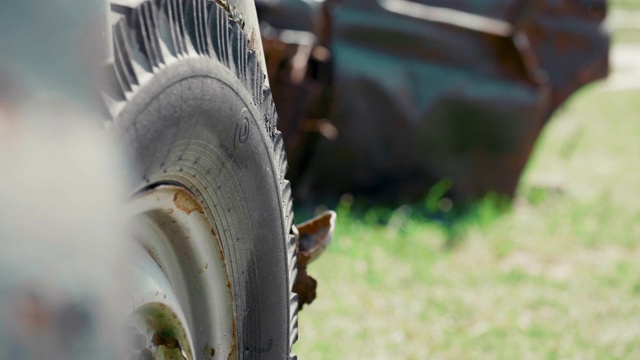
point(387, 98)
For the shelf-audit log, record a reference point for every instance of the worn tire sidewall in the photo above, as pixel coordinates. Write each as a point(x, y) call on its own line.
point(186, 126)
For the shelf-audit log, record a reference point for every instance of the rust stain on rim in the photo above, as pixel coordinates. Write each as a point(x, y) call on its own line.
point(186, 202)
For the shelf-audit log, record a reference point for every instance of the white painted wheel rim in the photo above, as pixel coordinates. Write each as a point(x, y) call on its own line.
point(183, 304)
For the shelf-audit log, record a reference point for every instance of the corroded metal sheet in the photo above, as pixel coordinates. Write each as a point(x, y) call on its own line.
point(313, 237)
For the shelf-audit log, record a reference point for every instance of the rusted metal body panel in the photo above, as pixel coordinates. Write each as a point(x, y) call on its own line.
point(430, 89)
point(312, 238)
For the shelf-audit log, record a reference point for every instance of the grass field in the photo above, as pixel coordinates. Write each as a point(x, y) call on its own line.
point(555, 276)
point(623, 19)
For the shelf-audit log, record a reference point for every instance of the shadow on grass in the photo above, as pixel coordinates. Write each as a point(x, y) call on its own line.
point(455, 219)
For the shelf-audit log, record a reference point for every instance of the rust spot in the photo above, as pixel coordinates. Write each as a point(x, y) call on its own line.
point(159, 340)
point(232, 353)
point(187, 203)
point(215, 234)
point(305, 286)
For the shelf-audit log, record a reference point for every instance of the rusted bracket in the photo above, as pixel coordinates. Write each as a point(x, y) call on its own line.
point(313, 237)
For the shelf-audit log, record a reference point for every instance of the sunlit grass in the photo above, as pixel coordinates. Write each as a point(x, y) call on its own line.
point(554, 276)
point(623, 18)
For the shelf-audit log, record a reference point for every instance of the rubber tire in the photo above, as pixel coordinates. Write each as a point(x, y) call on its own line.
point(190, 106)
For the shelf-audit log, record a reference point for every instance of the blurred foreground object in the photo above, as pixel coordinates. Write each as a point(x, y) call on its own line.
point(62, 182)
point(386, 98)
point(62, 289)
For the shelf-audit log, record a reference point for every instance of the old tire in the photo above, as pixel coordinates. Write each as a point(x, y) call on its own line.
point(191, 109)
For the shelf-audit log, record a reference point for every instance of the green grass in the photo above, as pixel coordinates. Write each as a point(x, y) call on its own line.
point(624, 4)
point(555, 276)
point(623, 19)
